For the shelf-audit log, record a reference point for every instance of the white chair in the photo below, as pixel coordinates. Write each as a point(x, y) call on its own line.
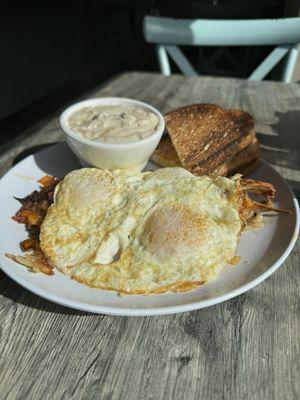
point(168, 33)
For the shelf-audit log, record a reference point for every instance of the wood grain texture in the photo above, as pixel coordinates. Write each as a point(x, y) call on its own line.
point(245, 348)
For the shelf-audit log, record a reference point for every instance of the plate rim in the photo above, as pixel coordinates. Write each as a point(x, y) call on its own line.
point(163, 310)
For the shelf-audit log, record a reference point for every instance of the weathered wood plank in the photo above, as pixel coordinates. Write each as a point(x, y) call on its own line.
point(245, 348)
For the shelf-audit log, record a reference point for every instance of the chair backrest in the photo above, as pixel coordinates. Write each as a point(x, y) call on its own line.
point(168, 33)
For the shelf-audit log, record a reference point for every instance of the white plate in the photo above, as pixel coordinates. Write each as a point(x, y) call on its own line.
point(262, 251)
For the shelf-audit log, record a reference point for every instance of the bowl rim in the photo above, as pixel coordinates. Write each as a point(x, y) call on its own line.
point(111, 100)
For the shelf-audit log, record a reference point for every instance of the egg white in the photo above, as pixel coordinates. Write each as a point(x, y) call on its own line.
point(142, 232)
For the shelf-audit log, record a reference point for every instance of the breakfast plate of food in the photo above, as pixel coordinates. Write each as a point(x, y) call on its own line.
point(204, 221)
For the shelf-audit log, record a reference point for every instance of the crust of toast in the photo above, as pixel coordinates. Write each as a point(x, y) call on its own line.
point(165, 155)
point(199, 131)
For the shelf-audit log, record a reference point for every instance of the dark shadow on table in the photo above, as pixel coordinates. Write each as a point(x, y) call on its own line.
point(283, 148)
point(20, 295)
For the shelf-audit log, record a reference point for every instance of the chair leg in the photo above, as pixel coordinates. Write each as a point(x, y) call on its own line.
point(163, 60)
point(290, 65)
point(269, 63)
point(181, 61)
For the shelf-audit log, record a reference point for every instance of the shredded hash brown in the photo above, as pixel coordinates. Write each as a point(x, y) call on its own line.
point(32, 213)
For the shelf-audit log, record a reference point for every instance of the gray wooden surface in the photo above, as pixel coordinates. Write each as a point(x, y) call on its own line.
point(245, 348)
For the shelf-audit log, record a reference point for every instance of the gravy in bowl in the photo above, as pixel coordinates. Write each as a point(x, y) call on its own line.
point(113, 123)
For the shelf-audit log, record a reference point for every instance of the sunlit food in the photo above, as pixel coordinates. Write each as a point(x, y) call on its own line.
point(152, 232)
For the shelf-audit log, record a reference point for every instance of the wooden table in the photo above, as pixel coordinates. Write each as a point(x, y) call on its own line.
point(245, 348)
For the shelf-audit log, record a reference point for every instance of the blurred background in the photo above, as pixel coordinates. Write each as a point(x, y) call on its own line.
point(54, 51)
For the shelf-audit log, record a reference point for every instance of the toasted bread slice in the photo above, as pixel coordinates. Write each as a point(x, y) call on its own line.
point(200, 131)
point(165, 155)
point(243, 162)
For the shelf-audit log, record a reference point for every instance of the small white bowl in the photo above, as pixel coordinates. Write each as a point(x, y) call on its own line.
point(133, 155)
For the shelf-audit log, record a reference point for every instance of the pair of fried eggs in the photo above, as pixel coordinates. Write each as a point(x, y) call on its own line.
point(141, 233)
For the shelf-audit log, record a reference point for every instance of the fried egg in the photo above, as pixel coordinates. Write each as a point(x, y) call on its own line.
point(141, 233)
